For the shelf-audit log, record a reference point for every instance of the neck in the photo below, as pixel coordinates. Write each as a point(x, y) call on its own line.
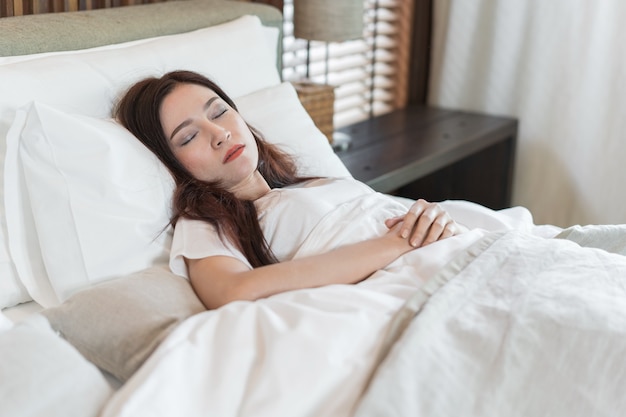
point(253, 188)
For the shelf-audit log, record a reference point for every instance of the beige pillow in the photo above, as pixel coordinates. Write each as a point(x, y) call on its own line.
point(117, 324)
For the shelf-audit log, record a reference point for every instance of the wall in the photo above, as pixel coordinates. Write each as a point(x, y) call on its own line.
point(558, 66)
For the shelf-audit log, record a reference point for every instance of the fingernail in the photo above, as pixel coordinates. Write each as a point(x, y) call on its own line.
point(404, 234)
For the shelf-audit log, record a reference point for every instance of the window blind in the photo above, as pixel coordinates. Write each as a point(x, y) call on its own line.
point(370, 75)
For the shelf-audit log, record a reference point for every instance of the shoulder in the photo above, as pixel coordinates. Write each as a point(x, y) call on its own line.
point(197, 239)
point(191, 233)
point(184, 224)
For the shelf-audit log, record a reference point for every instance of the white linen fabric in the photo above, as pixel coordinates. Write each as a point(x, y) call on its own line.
point(558, 67)
point(299, 353)
point(88, 82)
point(517, 326)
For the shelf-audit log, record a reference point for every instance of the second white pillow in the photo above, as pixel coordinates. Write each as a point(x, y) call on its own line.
point(99, 202)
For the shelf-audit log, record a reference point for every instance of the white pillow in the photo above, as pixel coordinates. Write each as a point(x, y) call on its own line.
point(86, 201)
point(99, 202)
point(12, 291)
point(279, 115)
point(89, 81)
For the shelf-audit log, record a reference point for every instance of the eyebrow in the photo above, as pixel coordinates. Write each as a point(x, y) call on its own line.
point(188, 121)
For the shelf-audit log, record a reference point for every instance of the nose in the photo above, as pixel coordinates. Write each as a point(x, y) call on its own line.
point(219, 136)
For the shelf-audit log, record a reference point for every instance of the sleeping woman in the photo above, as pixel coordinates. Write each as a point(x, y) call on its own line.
point(240, 211)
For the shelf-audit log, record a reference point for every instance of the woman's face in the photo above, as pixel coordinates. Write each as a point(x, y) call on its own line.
point(208, 136)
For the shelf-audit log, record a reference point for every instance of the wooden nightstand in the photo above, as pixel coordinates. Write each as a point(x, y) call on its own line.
point(435, 154)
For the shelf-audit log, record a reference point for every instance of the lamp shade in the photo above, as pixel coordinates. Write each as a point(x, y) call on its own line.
point(328, 20)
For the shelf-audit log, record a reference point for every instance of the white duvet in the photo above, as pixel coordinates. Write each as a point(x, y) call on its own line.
point(516, 327)
point(312, 352)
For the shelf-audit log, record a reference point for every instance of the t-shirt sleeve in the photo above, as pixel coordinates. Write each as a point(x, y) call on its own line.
point(195, 239)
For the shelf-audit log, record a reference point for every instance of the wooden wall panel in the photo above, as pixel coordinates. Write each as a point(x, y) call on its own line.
point(420, 52)
point(403, 62)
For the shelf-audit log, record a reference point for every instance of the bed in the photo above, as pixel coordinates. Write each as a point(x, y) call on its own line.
point(508, 319)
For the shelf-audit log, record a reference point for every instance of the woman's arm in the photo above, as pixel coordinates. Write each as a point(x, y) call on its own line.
point(221, 279)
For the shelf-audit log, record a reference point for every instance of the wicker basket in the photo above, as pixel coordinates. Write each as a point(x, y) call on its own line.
point(319, 102)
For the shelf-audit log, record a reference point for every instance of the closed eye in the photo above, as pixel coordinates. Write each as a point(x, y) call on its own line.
point(188, 139)
point(219, 112)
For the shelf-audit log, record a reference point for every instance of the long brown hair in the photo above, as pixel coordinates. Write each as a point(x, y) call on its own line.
point(139, 112)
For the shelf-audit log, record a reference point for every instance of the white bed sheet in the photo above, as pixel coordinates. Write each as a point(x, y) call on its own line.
point(317, 345)
point(300, 353)
point(517, 326)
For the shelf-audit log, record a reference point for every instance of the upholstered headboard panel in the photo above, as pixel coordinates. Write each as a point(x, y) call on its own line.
point(85, 29)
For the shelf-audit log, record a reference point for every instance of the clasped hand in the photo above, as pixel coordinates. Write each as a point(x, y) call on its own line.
point(425, 223)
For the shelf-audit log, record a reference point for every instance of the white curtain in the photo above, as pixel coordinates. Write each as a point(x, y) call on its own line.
point(559, 66)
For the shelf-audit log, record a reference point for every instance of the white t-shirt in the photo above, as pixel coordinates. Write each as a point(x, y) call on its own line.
point(286, 216)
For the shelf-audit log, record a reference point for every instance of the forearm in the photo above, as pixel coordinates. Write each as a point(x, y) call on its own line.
point(345, 265)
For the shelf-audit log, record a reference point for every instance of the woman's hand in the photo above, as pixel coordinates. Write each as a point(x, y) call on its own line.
point(425, 223)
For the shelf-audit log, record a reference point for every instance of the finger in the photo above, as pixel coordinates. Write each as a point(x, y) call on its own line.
point(437, 229)
point(450, 230)
point(431, 225)
point(434, 230)
point(424, 224)
point(392, 221)
point(412, 216)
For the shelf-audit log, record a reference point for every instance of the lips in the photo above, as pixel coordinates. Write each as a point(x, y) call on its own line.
point(233, 153)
